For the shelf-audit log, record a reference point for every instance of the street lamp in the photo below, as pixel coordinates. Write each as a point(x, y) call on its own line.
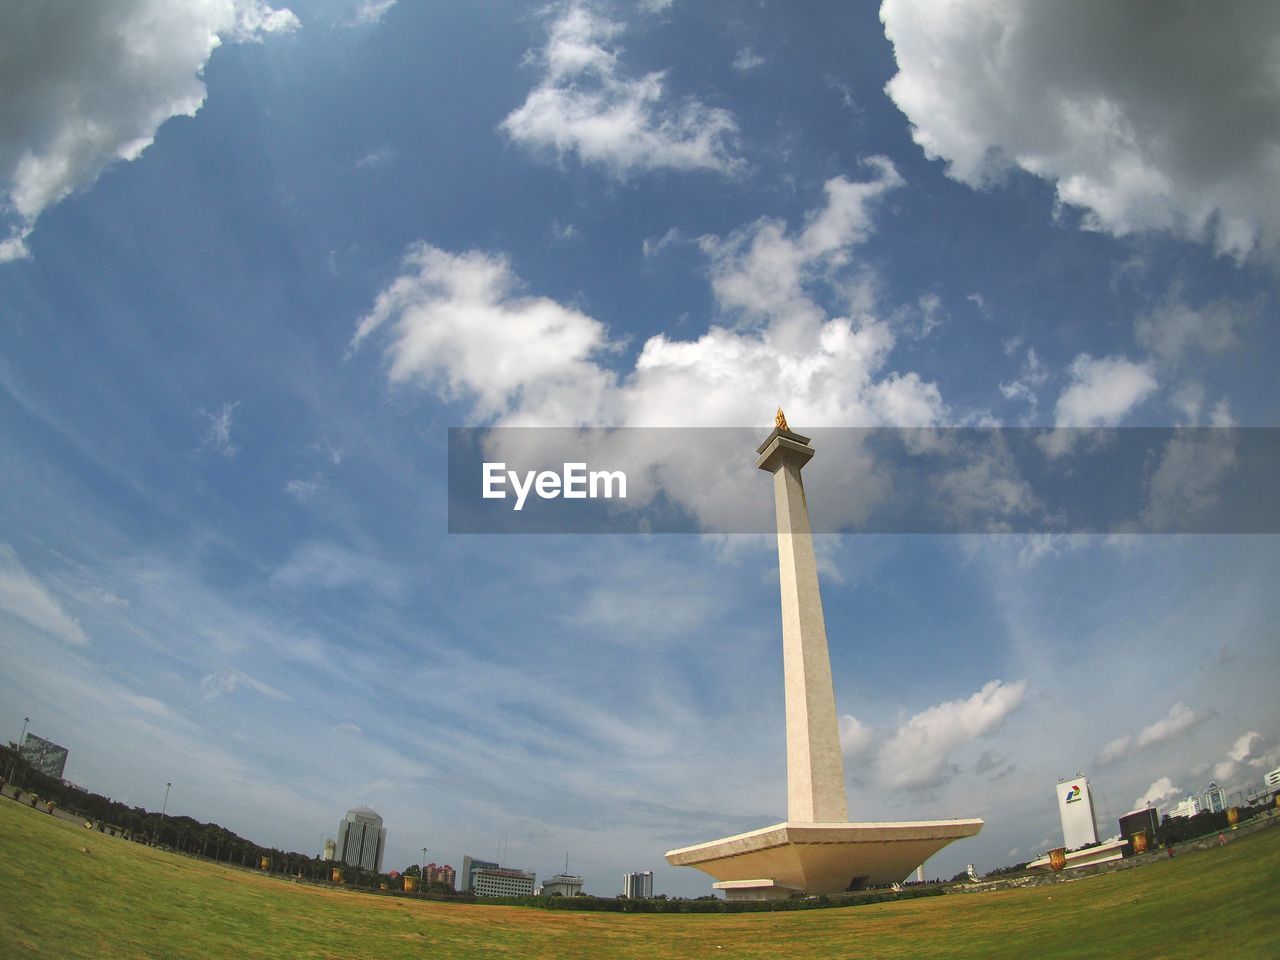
point(13, 766)
point(163, 808)
point(422, 872)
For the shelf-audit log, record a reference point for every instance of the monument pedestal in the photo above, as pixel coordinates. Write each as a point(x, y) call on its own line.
point(790, 858)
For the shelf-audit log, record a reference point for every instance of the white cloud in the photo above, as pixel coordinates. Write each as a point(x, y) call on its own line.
point(303, 490)
point(584, 104)
point(1160, 791)
point(217, 436)
point(1145, 116)
point(88, 84)
point(229, 681)
point(918, 753)
point(856, 737)
point(459, 328)
point(375, 158)
point(1026, 387)
point(1102, 391)
point(1180, 720)
point(746, 60)
point(1247, 751)
point(27, 599)
point(371, 12)
point(1174, 329)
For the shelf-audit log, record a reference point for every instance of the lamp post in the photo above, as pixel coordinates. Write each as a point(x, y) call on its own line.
point(13, 766)
point(422, 872)
point(163, 808)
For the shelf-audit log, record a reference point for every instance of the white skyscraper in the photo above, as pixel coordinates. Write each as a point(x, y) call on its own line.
point(1075, 807)
point(638, 886)
point(361, 839)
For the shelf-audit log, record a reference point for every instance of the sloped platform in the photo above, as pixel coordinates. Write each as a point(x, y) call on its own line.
point(819, 857)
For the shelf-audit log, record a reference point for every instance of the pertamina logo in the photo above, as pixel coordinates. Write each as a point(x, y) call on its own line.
point(1073, 794)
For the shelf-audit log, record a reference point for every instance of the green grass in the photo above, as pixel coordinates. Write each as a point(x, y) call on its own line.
point(122, 900)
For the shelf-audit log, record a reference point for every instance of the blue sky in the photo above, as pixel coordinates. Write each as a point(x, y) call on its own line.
point(256, 262)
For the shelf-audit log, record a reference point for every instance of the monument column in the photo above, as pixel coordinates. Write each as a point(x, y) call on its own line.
point(815, 767)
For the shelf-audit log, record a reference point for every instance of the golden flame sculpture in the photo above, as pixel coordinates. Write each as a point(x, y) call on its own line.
point(780, 421)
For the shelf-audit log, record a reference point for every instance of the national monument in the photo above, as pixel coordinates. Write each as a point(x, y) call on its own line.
point(817, 849)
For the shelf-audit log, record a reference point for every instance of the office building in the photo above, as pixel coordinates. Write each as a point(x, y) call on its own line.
point(1075, 808)
point(562, 885)
point(1143, 820)
point(469, 866)
point(362, 839)
point(1272, 780)
point(638, 886)
point(1214, 798)
point(44, 755)
point(501, 882)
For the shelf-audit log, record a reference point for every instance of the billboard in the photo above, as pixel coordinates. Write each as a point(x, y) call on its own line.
point(44, 755)
point(1075, 807)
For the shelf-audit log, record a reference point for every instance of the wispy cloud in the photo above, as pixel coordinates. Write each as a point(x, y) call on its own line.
point(1180, 720)
point(30, 601)
point(217, 435)
point(229, 681)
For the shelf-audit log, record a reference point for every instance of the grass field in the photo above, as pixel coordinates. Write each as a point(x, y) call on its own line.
point(123, 900)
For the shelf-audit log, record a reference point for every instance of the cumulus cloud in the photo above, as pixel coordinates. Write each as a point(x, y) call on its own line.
point(1249, 751)
point(1146, 117)
point(856, 737)
point(1180, 720)
point(794, 327)
point(1102, 391)
point(24, 597)
point(920, 751)
point(85, 85)
point(585, 104)
point(458, 325)
point(1160, 791)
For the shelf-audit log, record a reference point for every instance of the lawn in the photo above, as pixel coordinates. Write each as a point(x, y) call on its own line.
point(122, 900)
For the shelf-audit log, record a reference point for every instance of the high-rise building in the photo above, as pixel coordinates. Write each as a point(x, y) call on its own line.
point(1272, 780)
point(330, 849)
point(638, 886)
point(439, 874)
point(502, 882)
point(1075, 807)
point(469, 866)
point(362, 839)
point(562, 884)
point(1214, 799)
point(44, 755)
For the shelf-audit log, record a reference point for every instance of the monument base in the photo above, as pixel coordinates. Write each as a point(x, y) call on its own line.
point(812, 858)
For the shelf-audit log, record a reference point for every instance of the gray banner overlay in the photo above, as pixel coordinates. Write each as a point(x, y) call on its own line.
point(868, 480)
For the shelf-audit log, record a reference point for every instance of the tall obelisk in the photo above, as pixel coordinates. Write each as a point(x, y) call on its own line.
point(816, 850)
point(815, 767)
